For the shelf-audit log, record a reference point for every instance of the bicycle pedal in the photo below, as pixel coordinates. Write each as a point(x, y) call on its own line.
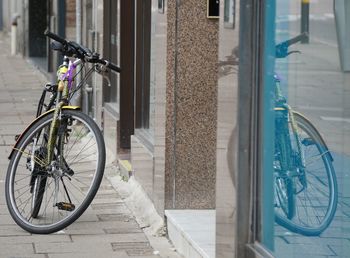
point(69, 172)
point(308, 142)
point(65, 206)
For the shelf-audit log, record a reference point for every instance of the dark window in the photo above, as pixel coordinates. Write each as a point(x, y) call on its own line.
point(143, 43)
point(119, 34)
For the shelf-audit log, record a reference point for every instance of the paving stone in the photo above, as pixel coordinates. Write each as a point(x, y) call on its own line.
point(84, 228)
point(132, 248)
point(25, 256)
point(115, 238)
point(315, 240)
point(122, 230)
point(107, 201)
point(144, 256)
point(12, 129)
point(13, 250)
point(53, 238)
point(12, 230)
point(104, 254)
point(341, 250)
point(8, 140)
point(333, 233)
point(102, 187)
point(10, 120)
point(102, 193)
point(3, 207)
point(115, 217)
point(82, 231)
point(298, 250)
point(108, 196)
point(81, 247)
point(119, 207)
point(5, 219)
point(88, 217)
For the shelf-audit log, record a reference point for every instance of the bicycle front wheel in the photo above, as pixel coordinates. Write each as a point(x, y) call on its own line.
point(44, 198)
point(315, 185)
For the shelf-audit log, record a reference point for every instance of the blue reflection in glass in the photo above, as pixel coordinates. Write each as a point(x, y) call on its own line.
point(305, 190)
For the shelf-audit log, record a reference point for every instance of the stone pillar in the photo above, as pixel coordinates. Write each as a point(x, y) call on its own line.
point(191, 109)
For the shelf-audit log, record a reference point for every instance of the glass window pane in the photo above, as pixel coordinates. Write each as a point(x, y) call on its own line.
point(306, 127)
point(157, 58)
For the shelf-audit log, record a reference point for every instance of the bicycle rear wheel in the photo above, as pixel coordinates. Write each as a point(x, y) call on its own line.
point(45, 198)
point(315, 185)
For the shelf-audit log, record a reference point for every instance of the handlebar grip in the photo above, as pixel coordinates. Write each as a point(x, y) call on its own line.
point(282, 48)
point(296, 39)
point(114, 67)
point(55, 37)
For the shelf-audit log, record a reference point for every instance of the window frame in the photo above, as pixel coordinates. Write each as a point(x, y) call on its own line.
point(250, 95)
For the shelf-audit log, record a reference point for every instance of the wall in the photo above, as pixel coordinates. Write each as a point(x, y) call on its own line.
point(70, 20)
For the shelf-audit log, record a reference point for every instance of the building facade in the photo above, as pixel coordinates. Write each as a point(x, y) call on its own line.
point(238, 140)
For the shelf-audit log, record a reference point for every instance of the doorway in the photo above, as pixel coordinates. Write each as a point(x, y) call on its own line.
point(38, 22)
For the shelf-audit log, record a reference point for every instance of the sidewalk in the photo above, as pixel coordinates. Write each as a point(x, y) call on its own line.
point(108, 229)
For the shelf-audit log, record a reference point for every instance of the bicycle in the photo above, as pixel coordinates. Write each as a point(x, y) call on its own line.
point(57, 163)
point(305, 192)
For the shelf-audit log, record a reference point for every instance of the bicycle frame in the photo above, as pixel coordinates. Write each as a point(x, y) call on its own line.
point(283, 106)
point(65, 75)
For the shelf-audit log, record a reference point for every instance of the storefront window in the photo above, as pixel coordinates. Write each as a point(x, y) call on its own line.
point(150, 63)
point(305, 129)
point(112, 49)
point(226, 185)
point(230, 13)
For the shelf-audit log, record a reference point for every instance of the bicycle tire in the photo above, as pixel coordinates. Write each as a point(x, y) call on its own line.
point(69, 188)
point(38, 194)
point(284, 190)
point(38, 184)
point(316, 190)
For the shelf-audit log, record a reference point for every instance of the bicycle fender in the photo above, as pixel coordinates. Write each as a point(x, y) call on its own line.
point(33, 122)
point(322, 141)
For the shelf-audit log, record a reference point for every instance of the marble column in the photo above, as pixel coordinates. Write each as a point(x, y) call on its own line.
point(191, 109)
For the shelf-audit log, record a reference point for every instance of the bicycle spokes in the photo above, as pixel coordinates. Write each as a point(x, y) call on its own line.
point(313, 183)
point(45, 197)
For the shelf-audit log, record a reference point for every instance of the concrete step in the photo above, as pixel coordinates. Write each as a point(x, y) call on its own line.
point(192, 232)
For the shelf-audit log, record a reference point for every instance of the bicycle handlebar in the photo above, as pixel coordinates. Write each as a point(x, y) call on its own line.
point(113, 67)
point(55, 37)
point(296, 39)
point(108, 64)
point(71, 48)
point(282, 48)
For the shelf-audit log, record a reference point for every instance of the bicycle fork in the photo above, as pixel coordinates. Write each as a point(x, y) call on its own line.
point(301, 163)
point(61, 101)
point(53, 132)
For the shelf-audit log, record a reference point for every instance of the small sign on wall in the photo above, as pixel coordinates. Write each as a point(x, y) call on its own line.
point(161, 6)
point(213, 9)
